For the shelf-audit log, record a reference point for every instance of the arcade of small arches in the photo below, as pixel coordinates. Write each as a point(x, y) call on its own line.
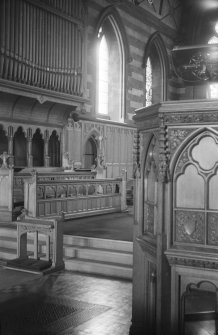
point(31, 146)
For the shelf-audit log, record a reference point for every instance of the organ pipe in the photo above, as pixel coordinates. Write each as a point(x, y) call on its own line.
point(41, 43)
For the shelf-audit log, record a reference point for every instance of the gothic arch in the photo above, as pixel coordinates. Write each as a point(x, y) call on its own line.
point(155, 48)
point(112, 12)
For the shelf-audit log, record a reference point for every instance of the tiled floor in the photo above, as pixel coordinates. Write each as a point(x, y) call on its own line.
point(64, 303)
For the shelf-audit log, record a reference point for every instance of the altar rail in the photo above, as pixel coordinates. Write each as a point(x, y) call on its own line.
point(46, 196)
point(18, 184)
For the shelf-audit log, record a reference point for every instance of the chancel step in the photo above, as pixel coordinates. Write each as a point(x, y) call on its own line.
point(98, 256)
point(81, 254)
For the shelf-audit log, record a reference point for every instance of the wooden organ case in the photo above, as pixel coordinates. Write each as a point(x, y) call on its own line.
point(42, 46)
point(175, 279)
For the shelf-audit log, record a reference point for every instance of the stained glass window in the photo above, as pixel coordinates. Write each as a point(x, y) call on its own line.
point(148, 88)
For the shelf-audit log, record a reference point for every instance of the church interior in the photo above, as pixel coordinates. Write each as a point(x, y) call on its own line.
point(109, 167)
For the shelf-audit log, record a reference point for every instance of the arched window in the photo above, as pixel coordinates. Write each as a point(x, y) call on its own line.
point(156, 65)
point(148, 79)
point(103, 71)
point(112, 56)
point(213, 87)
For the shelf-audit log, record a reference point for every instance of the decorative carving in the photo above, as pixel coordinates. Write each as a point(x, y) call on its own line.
point(41, 99)
point(190, 226)
point(163, 151)
point(149, 218)
point(212, 229)
point(176, 137)
point(182, 161)
point(190, 118)
point(192, 262)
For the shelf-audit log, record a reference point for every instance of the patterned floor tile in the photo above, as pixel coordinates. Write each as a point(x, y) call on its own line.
point(66, 303)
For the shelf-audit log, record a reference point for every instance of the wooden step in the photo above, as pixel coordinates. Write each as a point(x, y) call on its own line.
point(92, 242)
point(81, 254)
point(102, 255)
point(99, 268)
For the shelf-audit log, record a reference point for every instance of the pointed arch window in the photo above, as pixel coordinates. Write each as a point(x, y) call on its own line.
point(148, 81)
point(103, 71)
point(156, 68)
point(111, 60)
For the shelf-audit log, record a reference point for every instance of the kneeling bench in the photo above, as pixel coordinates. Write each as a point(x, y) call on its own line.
point(52, 258)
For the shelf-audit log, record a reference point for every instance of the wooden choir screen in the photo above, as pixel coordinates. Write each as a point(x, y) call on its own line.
point(41, 43)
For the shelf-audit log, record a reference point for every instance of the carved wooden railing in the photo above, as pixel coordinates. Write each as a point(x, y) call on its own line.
point(46, 196)
point(18, 184)
point(41, 44)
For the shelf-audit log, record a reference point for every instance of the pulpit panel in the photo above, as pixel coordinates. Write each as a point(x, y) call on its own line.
point(195, 190)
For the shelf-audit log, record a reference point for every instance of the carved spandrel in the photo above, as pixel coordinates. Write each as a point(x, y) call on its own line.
point(190, 227)
point(176, 137)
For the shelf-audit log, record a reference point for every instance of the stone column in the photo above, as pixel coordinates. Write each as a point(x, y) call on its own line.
point(46, 143)
point(29, 148)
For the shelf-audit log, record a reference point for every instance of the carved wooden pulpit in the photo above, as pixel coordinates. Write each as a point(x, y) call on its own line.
point(176, 214)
